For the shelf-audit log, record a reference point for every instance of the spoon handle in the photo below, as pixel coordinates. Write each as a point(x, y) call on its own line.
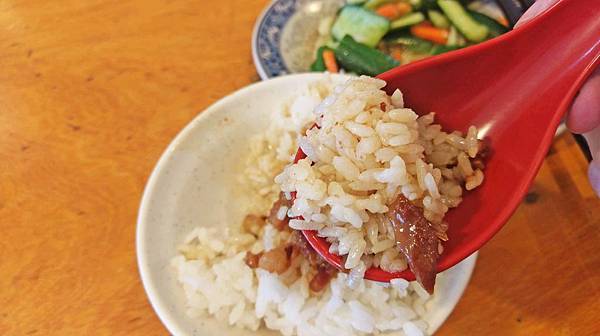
point(566, 41)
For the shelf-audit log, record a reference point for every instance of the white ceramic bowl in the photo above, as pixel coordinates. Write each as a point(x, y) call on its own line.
point(194, 184)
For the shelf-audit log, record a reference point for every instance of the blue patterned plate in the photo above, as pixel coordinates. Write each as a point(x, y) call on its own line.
point(286, 35)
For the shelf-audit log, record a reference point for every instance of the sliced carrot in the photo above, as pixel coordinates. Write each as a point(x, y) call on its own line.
point(428, 32)
point(403, 8)
point(330, 62)
point(389, 11)
point(396, 53)
point(503, 21)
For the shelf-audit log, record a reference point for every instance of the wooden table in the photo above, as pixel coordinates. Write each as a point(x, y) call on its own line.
point(91, 92)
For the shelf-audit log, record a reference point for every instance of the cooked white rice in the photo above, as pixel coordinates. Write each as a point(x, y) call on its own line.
point(352, 152)
point(218, 283)
point(367, 149)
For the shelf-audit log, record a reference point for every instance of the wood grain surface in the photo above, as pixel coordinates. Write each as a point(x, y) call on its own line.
point(91, 92)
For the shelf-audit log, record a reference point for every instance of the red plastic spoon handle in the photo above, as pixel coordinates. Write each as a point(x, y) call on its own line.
point(562, 46)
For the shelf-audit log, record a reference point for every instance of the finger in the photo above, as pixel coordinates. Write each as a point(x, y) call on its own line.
point(593, 140)
point(585, 112)
point(594, 175)
point(537, 8)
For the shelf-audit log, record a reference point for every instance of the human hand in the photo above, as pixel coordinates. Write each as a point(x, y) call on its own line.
point(584, 116)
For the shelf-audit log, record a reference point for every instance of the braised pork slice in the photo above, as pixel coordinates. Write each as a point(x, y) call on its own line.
point(416, 238)
point(279, 224)
point(324, 271)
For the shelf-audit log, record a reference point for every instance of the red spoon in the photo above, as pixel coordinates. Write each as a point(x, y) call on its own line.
point(515, 89)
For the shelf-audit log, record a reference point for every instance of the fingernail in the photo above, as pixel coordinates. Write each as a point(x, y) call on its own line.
point(594, 175)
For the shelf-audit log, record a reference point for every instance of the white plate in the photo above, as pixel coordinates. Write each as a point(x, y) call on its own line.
point(194, 184)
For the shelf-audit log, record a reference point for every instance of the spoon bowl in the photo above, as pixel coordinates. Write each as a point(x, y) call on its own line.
point(515, 89)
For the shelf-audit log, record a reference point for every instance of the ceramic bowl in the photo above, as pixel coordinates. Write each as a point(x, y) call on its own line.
point(195, 184)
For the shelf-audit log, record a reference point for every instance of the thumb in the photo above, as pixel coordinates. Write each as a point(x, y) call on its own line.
point(593, 140)
point(537, 8)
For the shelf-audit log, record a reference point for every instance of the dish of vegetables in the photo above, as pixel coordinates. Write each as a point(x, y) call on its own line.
point(373, 36)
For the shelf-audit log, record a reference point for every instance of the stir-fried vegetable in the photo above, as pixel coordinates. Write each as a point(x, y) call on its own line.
point(363, 25)
point(319, 64)
point(428, 32)
point(494, 26)
point(393, 11)
point(359, 58)
point(403, 8)
point(373, 36)
point(373, 4)
point(440, 49)
point(412, 43)
point(470, 28)
point(330, 62)
point(407, 20)
point(389, 11)
point(438, 19)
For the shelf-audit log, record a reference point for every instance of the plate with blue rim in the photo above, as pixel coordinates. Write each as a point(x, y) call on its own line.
point(287, 33)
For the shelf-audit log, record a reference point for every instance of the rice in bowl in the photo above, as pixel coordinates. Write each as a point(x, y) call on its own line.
point(219, 278)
